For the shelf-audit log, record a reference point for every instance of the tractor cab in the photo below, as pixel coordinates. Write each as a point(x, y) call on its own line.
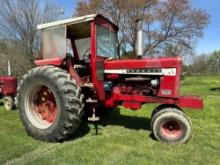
point(86, 41)
point(81, 38)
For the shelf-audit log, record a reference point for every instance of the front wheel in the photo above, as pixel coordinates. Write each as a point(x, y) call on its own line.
point(49, 103)
point(9, 103)
point(172, 126)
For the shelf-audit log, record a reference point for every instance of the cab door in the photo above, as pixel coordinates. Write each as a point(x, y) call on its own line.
point(97, 65)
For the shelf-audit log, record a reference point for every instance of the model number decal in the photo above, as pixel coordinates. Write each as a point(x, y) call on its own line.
point(166, 91)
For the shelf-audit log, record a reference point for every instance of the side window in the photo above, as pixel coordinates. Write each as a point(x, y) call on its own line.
point(83, 48)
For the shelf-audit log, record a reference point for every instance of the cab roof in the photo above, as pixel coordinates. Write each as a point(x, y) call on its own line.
point(72, 21)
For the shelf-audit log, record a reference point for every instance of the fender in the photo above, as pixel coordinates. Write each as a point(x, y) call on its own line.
point(54, 61)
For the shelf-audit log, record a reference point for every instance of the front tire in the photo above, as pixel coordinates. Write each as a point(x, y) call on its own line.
point(49, 103)
point(172, 126)
point(9, 103)
point(160, 109)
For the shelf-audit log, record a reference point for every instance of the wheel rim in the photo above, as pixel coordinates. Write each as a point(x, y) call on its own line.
point(172, 129)
point(41, 107)
point(7, 104)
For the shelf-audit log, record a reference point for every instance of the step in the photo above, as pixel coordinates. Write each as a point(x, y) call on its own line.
point(89, 100)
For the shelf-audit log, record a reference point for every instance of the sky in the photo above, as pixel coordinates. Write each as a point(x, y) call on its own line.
point(211, 39)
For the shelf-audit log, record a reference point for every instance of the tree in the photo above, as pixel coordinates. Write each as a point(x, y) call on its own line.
point(19, 20)
point(166, 22)
point(214, 62)
point(200, 64)
point(13, 53)
point(204, 64)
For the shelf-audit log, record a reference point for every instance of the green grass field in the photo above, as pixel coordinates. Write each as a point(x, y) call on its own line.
point(124, 136)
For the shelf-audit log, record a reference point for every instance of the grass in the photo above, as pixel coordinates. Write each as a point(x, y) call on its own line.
point(124, 136)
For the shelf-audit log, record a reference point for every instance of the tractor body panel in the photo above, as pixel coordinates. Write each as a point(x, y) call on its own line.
point(8, 85)
point(168, 70)
point(136, 83)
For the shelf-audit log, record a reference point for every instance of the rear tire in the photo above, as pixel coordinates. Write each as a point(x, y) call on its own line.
point(9, 103)
point(49, 103)
point(172, 126)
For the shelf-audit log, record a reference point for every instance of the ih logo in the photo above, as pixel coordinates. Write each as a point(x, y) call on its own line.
point(166, 91)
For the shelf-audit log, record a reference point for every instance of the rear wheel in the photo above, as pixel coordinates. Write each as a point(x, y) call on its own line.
point(171, 125)
point(49, 103)
point(9, 103)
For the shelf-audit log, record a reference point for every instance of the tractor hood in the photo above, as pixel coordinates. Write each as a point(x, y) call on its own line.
point(153, 66)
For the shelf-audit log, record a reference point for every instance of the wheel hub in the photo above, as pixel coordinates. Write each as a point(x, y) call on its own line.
point(172, 129)
point(41, 107)
point(46, 105)
point(47, 110)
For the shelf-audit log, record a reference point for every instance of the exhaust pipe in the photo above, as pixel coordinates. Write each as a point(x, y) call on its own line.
point(139, 42)
point(9, 68)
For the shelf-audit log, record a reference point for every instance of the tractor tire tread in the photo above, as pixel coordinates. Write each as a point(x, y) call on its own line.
point(68, 92)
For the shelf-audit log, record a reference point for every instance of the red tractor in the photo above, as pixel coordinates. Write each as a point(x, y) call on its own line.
point(79, 68)
point(8, 89)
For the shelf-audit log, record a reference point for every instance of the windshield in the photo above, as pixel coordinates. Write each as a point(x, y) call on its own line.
point(106, 42)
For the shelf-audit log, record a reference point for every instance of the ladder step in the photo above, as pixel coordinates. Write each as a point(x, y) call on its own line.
point(89, 100)
point(93, 119)
point(89, 85)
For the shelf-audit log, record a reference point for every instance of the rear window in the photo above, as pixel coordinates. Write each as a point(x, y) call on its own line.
point(53, 42)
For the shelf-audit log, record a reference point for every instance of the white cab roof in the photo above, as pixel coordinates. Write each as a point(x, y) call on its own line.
point(66, 22)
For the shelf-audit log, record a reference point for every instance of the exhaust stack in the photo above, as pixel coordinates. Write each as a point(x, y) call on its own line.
point(139, 42)
point(9, 68)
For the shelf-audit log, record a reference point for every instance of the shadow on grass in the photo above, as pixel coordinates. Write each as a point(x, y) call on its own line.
point(131, 122)
point(82, 131)
point(215, 89)
point(113, 118)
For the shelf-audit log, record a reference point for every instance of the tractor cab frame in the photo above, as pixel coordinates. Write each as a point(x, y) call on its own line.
point(88, 41)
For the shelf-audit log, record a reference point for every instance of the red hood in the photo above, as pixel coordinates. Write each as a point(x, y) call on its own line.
point(165, 62)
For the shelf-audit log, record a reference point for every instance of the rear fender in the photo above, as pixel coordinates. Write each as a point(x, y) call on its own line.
point(53, 61)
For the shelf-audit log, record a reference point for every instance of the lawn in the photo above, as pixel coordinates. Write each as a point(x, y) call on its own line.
point(124, 136)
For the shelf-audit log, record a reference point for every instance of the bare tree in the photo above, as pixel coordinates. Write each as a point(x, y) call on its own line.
point(19, 20)
point(167, 22)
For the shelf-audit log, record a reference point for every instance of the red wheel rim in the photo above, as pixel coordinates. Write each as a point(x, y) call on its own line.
point(41, 107)
point(45, 105)
point(172, 129)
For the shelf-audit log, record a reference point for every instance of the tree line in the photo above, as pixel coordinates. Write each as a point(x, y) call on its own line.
point(204, 64)
point(19, 38)
point(171, 27)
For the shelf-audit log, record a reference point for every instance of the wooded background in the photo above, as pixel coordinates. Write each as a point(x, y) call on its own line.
point(171, 28)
